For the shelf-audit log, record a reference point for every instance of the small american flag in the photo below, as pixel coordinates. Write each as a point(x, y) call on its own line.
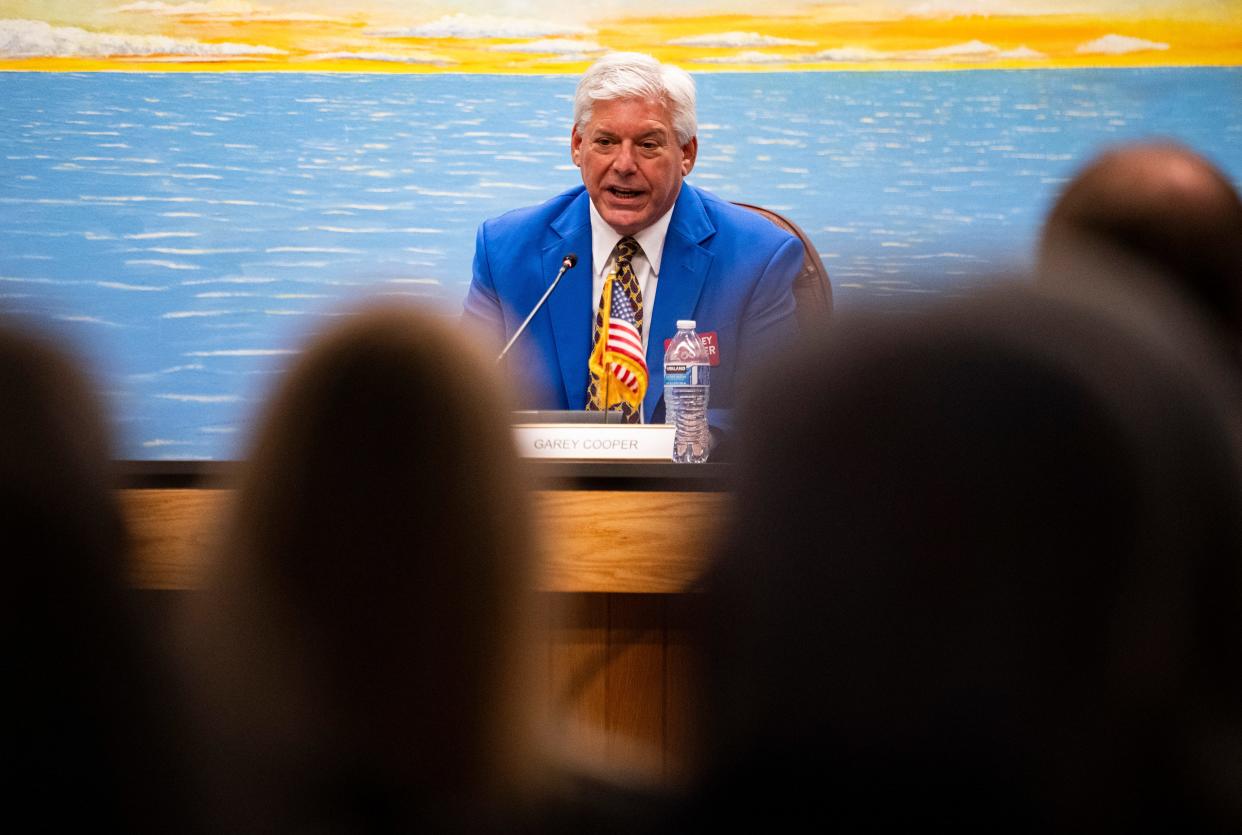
point(623, 354)
point(617, 342)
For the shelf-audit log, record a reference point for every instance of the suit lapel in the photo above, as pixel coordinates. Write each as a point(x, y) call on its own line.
point(683, 269)
point(570, 305)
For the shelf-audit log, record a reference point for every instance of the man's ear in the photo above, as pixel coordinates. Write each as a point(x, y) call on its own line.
point(689, 152)
point(575, 146)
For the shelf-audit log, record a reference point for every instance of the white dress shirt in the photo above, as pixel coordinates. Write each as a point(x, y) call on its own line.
point(646, 265)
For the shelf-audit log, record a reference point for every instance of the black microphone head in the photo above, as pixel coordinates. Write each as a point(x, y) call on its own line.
point(570, 261)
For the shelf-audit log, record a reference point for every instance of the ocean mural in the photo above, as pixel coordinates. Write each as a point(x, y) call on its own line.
point(192, 189)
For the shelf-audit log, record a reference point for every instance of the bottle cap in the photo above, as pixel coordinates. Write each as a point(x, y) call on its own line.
point(685, 324)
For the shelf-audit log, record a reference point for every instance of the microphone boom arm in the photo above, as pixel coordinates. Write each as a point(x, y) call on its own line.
point(567, 263)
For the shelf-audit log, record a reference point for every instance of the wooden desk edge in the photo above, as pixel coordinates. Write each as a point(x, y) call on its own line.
point(616, 541)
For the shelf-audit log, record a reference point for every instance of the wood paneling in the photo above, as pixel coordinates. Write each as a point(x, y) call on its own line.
point(623, 675)
point(682, 699)
point(578, 663)
point(624, 541)
point(171, 533)
point(634, 681)
point(590, 540)
point(617, 566)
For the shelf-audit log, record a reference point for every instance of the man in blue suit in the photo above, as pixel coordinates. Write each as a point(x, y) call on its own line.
point(695, 256)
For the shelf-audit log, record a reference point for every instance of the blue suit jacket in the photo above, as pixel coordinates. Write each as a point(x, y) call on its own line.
point(727, 268)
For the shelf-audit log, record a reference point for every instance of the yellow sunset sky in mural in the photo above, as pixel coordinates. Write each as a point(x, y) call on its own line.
point(556, 36)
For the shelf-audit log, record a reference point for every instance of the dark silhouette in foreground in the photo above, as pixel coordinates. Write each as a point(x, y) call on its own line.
point(371, 613)
point(984, 573)
point(95, 735)
point(1154, 211)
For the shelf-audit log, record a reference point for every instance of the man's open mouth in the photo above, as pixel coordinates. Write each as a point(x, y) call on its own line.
point(624, 193)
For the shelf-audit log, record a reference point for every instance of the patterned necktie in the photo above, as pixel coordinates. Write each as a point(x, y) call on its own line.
point(618, 367)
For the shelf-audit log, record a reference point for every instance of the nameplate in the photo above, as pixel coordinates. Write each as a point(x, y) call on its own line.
point(593, 441)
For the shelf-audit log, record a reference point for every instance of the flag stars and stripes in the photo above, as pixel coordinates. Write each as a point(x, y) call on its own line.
point(624, 338)
point(618, 340)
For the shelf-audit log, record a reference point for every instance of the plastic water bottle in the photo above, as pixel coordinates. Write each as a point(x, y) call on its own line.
point(686, 369)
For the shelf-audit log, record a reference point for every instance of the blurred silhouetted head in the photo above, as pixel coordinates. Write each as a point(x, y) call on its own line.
point(90, 725)
point(377, 578)
point(55, 472)
point(984, 570)
point(1159, 207)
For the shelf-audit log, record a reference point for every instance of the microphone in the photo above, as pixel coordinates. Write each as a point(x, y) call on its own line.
point(567, 263)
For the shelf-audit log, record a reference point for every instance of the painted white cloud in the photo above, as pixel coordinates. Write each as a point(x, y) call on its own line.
point(485, 26)
point(556, 46)
point(1023, 52)
point(198, 59)
point(415, 57)
point(973, 51)
point(1119, 45)
point(969, 49)
point(218, 10)
point(752, 57)
point(36, 39)
point(737, 40)
point(851, 54)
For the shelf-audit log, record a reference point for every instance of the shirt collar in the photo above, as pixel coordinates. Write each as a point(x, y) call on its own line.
point(604, 240)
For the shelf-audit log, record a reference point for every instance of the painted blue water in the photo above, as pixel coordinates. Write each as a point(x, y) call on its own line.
point(189, 231)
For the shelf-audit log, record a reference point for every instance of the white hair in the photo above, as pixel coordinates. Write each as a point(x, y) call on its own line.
point(633, 75)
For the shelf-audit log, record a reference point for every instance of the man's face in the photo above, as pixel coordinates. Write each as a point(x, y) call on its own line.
point(631, 163)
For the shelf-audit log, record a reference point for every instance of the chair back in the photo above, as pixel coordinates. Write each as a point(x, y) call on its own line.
point(812, 289)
